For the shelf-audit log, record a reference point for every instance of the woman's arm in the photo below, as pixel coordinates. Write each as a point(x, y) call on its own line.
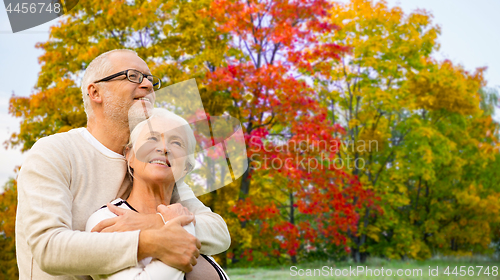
point(155, 270)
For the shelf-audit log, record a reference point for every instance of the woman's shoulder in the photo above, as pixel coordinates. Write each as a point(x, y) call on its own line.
point(184, 192)
point(102, 214)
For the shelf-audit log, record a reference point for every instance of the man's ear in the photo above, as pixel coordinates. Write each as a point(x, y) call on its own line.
point(93, 91)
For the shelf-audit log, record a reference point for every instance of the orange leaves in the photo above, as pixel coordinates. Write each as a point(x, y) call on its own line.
point(220, 9)
point(8, 204)
point(46, 111)
point(265, 26)
point(288, 237)
point(281, 22)
point(248, 210)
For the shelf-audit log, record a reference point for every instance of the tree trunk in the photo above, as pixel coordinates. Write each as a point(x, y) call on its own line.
point(244, 189)
point(359, 241)
point(292, 221)
point(245, 183)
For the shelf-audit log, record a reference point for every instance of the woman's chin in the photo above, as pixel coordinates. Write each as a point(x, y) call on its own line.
point(157, 174)
point(157, 178)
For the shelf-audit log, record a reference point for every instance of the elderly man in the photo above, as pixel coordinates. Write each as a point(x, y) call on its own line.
point(67, 176)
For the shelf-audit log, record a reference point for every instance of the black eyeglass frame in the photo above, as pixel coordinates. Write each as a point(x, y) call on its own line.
point(125, 72)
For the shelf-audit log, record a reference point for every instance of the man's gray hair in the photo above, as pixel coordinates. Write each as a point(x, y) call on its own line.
point(95, 71)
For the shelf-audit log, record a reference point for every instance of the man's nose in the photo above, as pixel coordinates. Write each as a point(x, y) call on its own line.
point(164, 145)
point(146, 84)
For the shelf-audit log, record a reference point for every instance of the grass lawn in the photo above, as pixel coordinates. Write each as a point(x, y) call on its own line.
point(412, 268)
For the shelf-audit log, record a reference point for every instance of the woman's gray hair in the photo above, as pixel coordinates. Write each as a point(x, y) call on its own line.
point(166, 115)
point(97, 68)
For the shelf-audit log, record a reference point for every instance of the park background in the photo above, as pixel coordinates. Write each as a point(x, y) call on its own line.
point(366, 81)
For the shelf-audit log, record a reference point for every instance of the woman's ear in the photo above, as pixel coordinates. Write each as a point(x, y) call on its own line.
point(129, 156)
point(187, 169)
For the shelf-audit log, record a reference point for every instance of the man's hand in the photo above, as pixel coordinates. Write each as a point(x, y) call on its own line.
point(171, 244)
point(173, 210)
point(127, 220)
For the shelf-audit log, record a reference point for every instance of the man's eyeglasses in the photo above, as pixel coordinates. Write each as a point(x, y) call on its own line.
point(135, 77)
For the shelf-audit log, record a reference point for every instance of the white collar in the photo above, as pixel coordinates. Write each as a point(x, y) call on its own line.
point(98, 145)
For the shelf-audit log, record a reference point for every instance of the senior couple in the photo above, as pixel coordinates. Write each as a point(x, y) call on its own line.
point(154, 227)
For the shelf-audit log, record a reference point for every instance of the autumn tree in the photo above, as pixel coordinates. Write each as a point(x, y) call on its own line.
point(284, 208)
point(452, 207)
point(409, 120)
point(363, 93)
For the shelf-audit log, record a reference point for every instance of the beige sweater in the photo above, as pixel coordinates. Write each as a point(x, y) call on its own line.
point(63, 180)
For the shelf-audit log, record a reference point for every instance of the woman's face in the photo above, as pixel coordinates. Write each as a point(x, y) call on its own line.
point(160, 152)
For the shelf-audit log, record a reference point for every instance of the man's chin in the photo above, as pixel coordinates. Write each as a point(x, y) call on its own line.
point(138, 113)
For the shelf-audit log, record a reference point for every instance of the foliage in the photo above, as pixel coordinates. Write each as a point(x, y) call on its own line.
point(8, 205)
point(419, 129)
point(288, 202)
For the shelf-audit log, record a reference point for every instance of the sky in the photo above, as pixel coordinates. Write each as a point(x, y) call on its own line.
point(469, 36)
point(18, 73)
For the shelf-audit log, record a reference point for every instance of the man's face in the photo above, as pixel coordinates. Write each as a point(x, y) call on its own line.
point(123, 99)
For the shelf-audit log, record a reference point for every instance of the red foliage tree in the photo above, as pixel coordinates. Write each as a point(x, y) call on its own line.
point(273, 51)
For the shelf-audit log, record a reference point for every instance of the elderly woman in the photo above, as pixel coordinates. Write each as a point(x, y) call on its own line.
point(159, 155)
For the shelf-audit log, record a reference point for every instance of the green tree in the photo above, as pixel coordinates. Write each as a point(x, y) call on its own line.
point(418, 128)
point(363, 93)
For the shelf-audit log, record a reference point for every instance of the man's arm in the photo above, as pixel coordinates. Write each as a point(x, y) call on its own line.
point(45, 219)
point(156, 269)
point(178, 249)
point(210, 228)
point(181, 250)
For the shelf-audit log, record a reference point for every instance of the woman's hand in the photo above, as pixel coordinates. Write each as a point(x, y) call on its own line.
point(173, 210)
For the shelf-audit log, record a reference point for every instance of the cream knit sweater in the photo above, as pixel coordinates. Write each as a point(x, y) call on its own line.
point(63, 180)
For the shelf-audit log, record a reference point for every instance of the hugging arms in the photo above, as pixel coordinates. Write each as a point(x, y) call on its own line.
point(67, 176)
